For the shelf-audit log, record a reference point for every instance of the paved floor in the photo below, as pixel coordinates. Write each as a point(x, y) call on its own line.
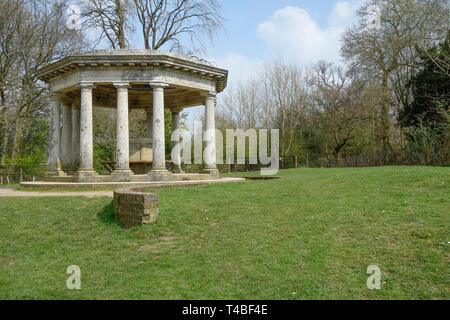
point(11, 192)
point(8, 192)
point(156, 184)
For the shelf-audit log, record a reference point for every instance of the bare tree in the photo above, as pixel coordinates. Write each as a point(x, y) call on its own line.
point(339, 104)
point(12, 16)
point(111, 18)
point(37, 36)
point(287, 95)
point(243, 105)
point(168, 22)
point(387, 54)
point(441, 61)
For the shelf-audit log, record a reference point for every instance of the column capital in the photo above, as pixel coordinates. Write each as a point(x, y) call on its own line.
point(86, 85)
point(121, 84)
point(158, 84)
point(209, 94)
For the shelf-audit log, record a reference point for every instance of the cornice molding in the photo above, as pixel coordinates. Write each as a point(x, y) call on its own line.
point(158, 60)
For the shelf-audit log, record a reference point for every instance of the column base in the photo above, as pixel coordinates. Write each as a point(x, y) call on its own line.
point(177, 169)
point(71, 172)
point(122, 175)
point(56, 173)
point(82, 176)
point(160, 175)
point(214, 173)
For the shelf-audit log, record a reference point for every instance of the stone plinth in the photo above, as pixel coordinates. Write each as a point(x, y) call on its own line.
point(135, 207)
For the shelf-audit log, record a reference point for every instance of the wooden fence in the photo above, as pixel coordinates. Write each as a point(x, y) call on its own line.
point(10, 174)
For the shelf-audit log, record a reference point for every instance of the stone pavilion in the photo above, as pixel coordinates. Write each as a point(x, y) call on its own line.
point(125, 80)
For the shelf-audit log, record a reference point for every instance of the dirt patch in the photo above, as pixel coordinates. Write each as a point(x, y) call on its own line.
point(7, 262)
point(164, 241)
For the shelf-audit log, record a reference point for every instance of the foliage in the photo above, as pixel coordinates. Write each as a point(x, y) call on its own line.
point(32, 34)
point(102, 153)
point(389, 104)
point(33, 165)
point(386, 55)
point(426, 118)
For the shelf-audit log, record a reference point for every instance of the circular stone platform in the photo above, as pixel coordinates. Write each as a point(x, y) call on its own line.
point(154, 185)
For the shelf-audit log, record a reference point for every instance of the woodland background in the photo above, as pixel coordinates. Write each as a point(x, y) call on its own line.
point(387, 105)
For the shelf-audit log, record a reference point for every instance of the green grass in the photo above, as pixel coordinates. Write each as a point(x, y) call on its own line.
point(310, 235)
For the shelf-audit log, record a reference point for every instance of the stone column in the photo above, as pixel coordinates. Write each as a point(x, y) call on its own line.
point(159, 147)
point(54, 163)
point(122, 168)
point(66, 138)
point(149, 123)
point(86, 170)
point(210, 135)
point(176, 124)
point(75, 135)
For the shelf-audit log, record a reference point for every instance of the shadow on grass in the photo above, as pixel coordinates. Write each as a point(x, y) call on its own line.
point(107, 216)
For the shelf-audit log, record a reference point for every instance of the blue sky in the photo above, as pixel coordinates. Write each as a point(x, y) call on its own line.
point(244, 16)
point(258, 31)
point(299, 31)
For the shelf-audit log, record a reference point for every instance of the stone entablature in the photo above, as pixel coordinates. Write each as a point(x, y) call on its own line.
point(187, 76)
point(131, 58)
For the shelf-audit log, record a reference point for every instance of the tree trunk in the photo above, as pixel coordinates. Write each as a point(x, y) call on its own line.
point(121, 25)
point(17, 139)
point(5, 142)
point(385, 124)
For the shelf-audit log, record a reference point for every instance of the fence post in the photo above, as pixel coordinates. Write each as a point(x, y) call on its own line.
point(21, 175)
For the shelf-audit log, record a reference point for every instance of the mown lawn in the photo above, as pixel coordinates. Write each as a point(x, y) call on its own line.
point(311, 235)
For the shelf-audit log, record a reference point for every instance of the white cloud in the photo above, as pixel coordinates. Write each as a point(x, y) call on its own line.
point(240, 68)
point(343, 14)
point(292, 33)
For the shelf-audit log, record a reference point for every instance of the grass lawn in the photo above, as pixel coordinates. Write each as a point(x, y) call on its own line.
point(310, 235)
